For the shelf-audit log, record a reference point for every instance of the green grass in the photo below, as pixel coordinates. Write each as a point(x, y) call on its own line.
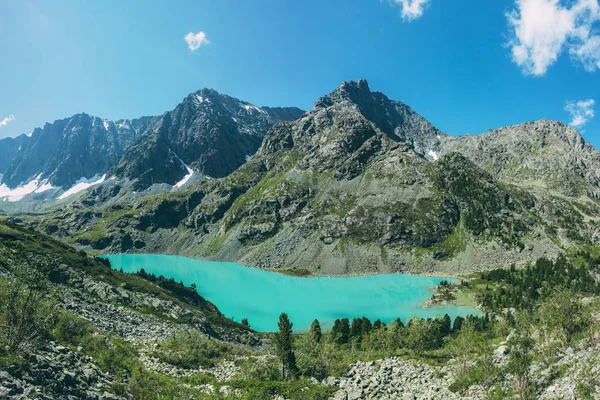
point(466, 299)
point(302, 389)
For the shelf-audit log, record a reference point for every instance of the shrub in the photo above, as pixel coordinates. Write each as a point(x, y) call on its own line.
point(261, 369)
point(191, 350)
point(71, 330)
point(25, 315)
point(148, 385)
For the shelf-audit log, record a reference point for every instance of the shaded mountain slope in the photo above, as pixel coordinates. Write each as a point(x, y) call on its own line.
point(208, 132)
point(8, 148)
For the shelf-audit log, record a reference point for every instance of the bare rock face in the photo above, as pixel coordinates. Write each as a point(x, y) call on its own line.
point(208, 132)
point(541, 153)
point(8, 148)
point(67, 150)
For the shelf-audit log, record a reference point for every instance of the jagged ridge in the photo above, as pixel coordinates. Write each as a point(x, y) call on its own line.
point(352, 186)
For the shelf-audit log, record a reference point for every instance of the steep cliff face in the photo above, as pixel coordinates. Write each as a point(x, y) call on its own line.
point(8, 148)
point(208, 132)
point(67, 150)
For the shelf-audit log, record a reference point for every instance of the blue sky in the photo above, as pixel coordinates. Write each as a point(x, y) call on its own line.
point(467, 66)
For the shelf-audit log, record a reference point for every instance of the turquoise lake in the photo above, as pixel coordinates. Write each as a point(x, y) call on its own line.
point(244, 292)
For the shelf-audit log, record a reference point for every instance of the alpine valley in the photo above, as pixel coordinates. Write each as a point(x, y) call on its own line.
point(505, 224)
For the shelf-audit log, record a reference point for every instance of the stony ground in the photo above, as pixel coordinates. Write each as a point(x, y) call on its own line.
point(395, 378)
point(57, 369)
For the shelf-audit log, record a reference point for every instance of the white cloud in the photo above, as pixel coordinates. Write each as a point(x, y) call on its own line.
point(195, 40)
point(588, 53)
point(7, 120)
point(541, 29)
point(411, 9)
point(581, 111)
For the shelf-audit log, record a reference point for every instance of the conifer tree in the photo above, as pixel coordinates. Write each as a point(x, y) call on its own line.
point(283, 346)
point(315, 331)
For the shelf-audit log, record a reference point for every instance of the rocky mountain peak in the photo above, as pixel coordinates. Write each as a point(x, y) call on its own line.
point(349, 92)
point(393, 118)
point(208, 132)
point(202, 96)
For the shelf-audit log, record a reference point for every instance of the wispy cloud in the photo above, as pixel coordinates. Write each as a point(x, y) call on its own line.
point(7, 120)
point(411, 9)
point(581, 111)
point(541, 29)
point(195, 40)
point(588, 53)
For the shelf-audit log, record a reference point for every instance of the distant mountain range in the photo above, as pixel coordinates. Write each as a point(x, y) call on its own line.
point(359, 183)
point(208, 133)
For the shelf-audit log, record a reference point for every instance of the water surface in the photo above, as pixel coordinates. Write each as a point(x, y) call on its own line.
point(243, 292)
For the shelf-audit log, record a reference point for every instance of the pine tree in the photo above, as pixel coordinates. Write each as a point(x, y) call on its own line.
point(356, 328)
point(344, 332)
point(458, 322)
point(520, 357)
point(366, 326)
point(446, 325)
point(315, 331)
point(283, 346)
point(377, 324)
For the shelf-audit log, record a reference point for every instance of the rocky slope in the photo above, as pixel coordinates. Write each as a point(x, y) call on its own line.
point(546, 154)
point(208, 132)
point(395, 378)
point(63, 152)
point(361, 183)
point(119, 306)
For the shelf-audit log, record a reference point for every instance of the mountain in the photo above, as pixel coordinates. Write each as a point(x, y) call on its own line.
point(69, 151)
point(208, 132)
point(543, 153)
point(361, 183)
point(8, 148)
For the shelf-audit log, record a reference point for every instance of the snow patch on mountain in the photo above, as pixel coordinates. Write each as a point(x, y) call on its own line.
point(44, 187)
point(16, 194)
point(82, 184)
point(249, 107)
point(186, 178)
point(433, 155)
point(199, 100)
